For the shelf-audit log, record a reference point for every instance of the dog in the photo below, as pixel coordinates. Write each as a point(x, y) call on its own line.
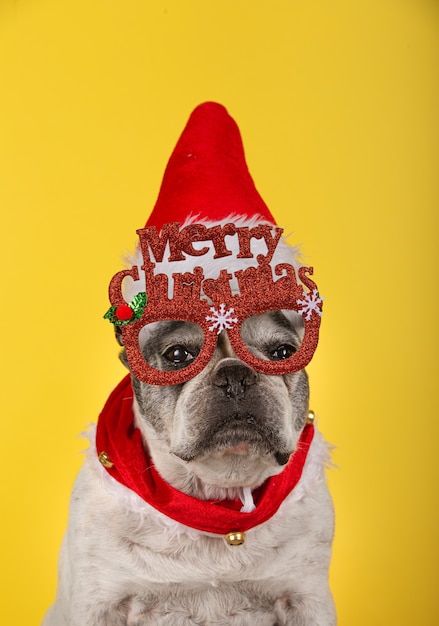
point(124, 564)
point(202, 500)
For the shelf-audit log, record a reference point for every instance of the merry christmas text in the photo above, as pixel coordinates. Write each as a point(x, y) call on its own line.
point(181, 241)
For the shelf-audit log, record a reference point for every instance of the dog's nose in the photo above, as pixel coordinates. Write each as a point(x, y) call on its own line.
point(234, 379)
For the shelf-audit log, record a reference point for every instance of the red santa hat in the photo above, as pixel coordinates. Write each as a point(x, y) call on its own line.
point(211, 241)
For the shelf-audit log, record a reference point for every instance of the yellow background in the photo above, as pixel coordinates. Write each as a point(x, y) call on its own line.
point(337, 103)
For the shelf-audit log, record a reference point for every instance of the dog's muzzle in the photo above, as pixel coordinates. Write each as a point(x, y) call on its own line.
point(237, 419)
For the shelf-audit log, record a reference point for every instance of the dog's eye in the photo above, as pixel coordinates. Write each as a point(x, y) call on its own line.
point(282, 352)
point(178, 356)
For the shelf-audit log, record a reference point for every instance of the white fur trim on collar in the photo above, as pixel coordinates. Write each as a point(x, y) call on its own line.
point(317, 461)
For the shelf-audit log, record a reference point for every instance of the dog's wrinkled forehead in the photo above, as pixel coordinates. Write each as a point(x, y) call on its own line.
point(273, 326)
point(229, 281)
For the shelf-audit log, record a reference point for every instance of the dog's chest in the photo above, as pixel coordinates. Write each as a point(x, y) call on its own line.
point(140, 566)
point(147, 553)
point(154, 579)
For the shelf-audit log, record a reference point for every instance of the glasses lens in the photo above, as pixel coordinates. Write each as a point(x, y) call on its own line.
point(274, 335)
point(171, 345)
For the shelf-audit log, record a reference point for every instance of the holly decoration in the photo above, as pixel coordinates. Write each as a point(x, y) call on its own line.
point(127, 313)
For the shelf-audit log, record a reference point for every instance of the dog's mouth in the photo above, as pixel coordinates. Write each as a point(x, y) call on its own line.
point(241, 436)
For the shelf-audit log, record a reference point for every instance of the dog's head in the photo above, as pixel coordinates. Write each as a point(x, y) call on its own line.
point(229, 426)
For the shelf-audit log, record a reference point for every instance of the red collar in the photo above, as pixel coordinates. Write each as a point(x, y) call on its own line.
point(129, 464)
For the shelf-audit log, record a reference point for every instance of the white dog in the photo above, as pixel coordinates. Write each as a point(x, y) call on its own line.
point(202, 500)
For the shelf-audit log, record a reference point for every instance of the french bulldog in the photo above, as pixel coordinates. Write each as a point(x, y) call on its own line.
point(202, 500)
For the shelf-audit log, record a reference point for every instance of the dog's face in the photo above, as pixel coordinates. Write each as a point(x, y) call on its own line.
point(232, 426)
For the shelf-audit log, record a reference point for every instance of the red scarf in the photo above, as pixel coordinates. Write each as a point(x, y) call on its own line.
point(133, 468)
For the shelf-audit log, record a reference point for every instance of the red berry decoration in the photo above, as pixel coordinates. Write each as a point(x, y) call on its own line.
point(124, 312)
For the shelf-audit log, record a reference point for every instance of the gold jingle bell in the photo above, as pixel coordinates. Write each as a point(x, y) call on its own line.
point(105, 460)
point(235, 538)
point(311, 417)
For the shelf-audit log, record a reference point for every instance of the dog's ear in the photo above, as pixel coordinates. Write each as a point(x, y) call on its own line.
point(118, 335)
point(123, 358)
point(123, 353)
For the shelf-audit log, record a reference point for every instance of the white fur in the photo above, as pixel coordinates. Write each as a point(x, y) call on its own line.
point(124, 563)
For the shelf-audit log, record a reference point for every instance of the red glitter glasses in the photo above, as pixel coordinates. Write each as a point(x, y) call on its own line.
point(213, 307)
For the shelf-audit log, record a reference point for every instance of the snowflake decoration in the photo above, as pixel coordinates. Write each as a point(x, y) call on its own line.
point(221, 319)
point(311, 302)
